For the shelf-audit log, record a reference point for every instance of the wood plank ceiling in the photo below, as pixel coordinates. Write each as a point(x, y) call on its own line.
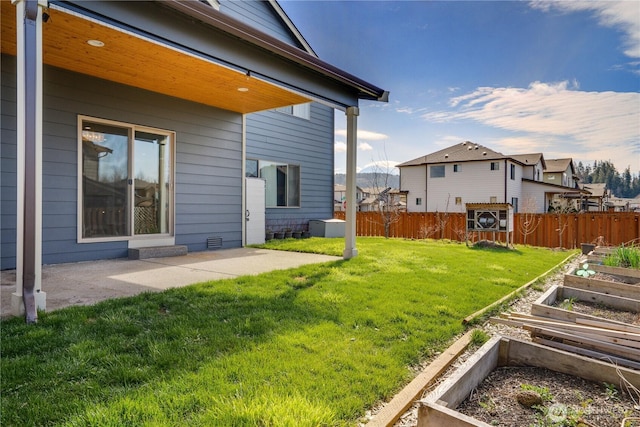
point(134, 61)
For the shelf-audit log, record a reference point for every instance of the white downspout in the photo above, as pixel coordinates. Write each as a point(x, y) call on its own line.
point(350, 249)
point(17, 298)
point(244, 180)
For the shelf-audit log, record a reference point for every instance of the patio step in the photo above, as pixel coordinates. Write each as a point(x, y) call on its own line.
point(157, 252)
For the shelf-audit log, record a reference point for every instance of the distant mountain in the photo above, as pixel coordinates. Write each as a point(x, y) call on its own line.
point(370, 180)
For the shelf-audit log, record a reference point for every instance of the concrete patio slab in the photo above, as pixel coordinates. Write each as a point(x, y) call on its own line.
point(86, 283)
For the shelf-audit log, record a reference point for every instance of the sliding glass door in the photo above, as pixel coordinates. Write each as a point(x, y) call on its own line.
point(126, 187)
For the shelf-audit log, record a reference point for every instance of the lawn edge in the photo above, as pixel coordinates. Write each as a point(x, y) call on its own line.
point(390, 413)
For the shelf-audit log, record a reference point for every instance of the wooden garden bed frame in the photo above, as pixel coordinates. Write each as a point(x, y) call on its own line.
point(616, 271)
point(598, 337)
point(544, 306)
point(439, 407)
point(602, 286)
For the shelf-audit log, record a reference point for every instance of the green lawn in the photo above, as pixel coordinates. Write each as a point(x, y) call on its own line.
point(317, 345)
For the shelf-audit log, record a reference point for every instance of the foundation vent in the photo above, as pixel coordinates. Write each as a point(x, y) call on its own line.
point(214, 242)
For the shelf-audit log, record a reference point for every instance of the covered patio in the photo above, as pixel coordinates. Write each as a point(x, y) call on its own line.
point(245, 71)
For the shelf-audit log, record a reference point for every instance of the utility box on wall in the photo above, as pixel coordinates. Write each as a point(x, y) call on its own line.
point(492, 217)
point(326, 227)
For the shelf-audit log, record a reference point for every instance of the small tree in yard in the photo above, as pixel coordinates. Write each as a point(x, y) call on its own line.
point(560, 207)
point(388, 211)
point(386, 205)
point(529, 220)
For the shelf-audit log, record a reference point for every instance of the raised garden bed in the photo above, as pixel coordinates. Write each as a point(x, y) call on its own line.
point(617, 271)
point(621, 286)
point(501, 357)
point(603, 326)
point(559, 303)
point(623, 259)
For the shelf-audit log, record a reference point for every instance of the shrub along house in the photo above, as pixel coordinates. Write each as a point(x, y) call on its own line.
point(134, 124)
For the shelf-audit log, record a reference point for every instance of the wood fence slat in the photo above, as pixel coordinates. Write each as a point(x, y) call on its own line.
point(553, 230)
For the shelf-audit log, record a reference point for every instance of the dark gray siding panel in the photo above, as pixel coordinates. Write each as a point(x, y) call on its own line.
point(309, 143)
point(7, 164)
point(260, 15)
point(207, 172)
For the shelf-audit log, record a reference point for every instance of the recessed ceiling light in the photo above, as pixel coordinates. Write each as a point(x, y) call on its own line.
point(243, 89)
point(95, 43)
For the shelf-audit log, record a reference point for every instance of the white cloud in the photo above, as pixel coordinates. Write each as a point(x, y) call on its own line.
point(363, 146)
point(555, 114)
point(404, 110)
point(622, 15)
point(340, 147)
point(364, 134)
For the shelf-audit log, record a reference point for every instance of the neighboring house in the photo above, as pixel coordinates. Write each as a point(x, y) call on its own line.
point(378, 199)
point(147, 117)
point(561, 172)
point(369, 199)
point(597, 198)
point(619, 204)
point(445, 181)
point(340, 197)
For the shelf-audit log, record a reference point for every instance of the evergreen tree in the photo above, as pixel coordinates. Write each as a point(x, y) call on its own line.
point(626, 185)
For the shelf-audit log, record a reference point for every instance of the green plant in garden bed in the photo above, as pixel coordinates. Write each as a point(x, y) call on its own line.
point(624, 256)
point(584, 271)
point(316, 345)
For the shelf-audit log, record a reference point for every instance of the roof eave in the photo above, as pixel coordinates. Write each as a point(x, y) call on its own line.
point(236, 28)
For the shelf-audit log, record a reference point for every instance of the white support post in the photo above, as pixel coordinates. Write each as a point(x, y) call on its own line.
point(29, 159)
point(350, 249)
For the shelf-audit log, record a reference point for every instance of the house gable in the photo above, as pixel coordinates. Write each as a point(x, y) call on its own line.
point(561, 172)
point(268, 16)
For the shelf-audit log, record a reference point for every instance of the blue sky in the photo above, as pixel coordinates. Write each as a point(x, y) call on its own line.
point(560, 78)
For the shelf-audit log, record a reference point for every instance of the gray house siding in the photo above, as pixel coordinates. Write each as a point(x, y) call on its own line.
point(280, 137)
point(259, 14)
point(7, 165)
point(207, 168)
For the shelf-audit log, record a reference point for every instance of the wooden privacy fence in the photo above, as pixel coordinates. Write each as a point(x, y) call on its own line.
point(546, 230)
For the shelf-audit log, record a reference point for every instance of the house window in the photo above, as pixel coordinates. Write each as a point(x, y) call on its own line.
point(436, 171)
point(302, 111)
point(493, 199)
point(456, 168)
point(418, 201)
point(126, 180)
point(458, 200)
point(495, 166)
point(513, 172)
point(282, 183)
point(514, 203)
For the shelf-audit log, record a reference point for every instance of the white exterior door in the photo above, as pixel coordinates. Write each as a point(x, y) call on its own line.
point(255, 211)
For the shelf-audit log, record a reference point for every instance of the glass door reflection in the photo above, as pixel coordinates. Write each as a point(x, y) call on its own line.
point(151, 182)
